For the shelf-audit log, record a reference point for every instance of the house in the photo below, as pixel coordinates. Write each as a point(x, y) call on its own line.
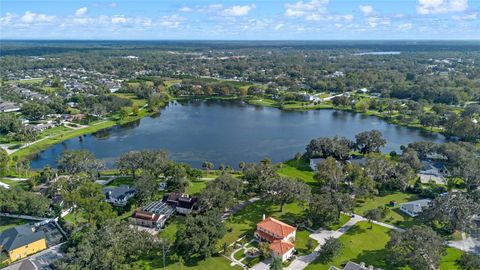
point(414, 208)
point(146, 219)
point(9, 107)
point(153, 215)
point(354, 266)
point(433, 171)
point(183, 203)
point(21, 241)
point(280, 236)
point(282, 249)
point(363, 90)
point(119, 196)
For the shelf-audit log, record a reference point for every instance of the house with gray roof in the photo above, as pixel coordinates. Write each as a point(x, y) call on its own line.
point(6, 106)
point(414, 208)
point(355, 266)
point(21, 241)
point(119, 196)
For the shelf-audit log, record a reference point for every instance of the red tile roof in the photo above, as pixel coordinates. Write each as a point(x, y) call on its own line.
point(281, 246)
point(276, 227)
point(145, 215)
point(266, 236)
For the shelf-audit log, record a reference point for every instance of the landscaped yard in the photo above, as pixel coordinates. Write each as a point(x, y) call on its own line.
point(196, 186)
point(362, 244)
point(245, 221)
point(343, 219)
point(301, 243)
point(7, 223)
point(215, 262)
point(395, 216)
point(121, 181)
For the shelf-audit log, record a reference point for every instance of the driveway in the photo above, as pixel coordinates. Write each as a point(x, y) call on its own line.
point(468, 244)
point(302, 261)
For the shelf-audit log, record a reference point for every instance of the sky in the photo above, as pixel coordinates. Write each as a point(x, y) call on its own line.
point(240, 19)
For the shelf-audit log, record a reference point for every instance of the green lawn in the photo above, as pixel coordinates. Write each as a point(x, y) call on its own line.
point(239, 254)
point(301, 243)
point(245, 221)
point(169, 231)
point(215, 262)
point(196, 186)
point(343, 219)
point(121, 181)
point(362, 244)
point(7, 223)
point(299, 169)
point(20, 184)
point(395, 216)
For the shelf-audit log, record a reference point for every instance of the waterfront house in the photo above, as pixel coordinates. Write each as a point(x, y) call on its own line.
point(118, 196)
point(183, 203)
point(279, 235)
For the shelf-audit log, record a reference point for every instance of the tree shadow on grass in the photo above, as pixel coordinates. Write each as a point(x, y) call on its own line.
point(355, 230)
point(377, 258)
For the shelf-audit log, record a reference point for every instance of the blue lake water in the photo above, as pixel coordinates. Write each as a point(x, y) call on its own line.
point(228, 133)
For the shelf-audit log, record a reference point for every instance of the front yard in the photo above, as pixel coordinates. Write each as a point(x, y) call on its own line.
point(394, 216)
point(362, 244)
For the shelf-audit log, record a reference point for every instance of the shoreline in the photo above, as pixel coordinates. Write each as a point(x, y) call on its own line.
point(44, 143)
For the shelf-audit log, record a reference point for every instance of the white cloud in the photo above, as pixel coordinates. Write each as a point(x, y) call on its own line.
point(441, 6)
point(185, 9)
point(366, 10)
point(313, 8)
point(8, 18)
point(113, 5)
point(278, 26)
point(405, 26)
point(32, 17)
point(237, 11)
point(172, 21)
point(81, 11)
point(467, 17)
point(118, 19)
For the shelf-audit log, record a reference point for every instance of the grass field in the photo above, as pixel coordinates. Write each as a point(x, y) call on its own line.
point(299, 169)
point(301, 243)
point(362, 244)
point(395, 216)
point(121, 181)
point(343, 219)
point(7, 223)
point(196, 186)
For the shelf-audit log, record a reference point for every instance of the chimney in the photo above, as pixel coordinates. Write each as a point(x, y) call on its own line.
point(263, 217)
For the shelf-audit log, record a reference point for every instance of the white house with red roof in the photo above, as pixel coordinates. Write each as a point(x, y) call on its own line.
point(280, 236)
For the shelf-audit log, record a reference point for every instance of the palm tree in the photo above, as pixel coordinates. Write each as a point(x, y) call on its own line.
point(276, 264)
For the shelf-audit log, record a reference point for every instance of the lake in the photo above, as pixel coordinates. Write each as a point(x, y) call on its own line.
point(228, 133)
